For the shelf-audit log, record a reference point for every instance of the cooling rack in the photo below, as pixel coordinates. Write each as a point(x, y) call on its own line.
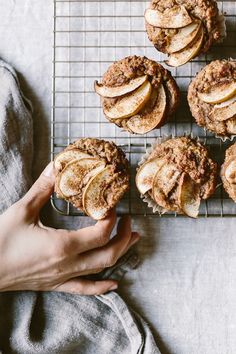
point(90, 35)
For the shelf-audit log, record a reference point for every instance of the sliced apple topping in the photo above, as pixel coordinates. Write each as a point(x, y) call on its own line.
point(184, 37)
point(228, 175)
point(163, 183)
point(94, 202)
point(189, 196)
point(146, 173)
point(111, 92)
point(226, 103)
point(188, 53)
point(230, 172)
point(166, 178)
point(231, 125)
point(159, 197)
point(73, 175)
point(176, 17)
point(67, 156)
point(225, 110)
point(219, 93)
point(147, 120)
point(130, 104)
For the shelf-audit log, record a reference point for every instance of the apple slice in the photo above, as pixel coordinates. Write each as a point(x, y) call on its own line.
point(67, 156)
point(146, 121)
point(176, 17)
point(228, 176)
point(189, 196)
point(188, 53)
point(130, 104)
point(230, 172)
point(94, 202)
point(160, 198)
point(72, 176)
point(146, 173)
point(219, 93)
point(166, 178)
point(163, 183)
point(184, 37)
point(224, 111)
point(111, 92)
point(226, 103)
point(173, 97)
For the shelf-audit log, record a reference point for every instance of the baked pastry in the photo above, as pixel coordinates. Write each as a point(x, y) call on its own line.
point(176, 175)
point(212, 97)
point(228, 172)
point(138, 94)
point(183, 28)
point(93, 175)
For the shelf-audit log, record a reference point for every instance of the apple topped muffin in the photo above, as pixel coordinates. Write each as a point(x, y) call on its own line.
point(176, 176)
point(183, 28)
point(138, 94)
point(212, 97)
point(228, 172)
point(93, 175)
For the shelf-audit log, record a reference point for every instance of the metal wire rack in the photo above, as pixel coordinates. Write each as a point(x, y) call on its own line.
point(90, 35)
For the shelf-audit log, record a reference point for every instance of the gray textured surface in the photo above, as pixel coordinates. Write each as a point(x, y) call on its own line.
point(15, 144)
point(185, 286)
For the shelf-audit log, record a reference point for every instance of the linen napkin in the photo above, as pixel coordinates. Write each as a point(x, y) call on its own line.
point(50, 322)
point(16, 138)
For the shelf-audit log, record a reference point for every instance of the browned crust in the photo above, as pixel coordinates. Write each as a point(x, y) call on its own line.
point(205, 10)
point(230, 155)
point(111, 155)
point(215, 73)
point(191, 157)
point(231, 151)
point(122, 71)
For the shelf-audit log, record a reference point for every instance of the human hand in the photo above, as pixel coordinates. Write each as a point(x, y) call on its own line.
point(36, 257)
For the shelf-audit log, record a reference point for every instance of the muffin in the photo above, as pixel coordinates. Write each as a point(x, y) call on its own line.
point(176, 175)
point(138, 94)
point(92, 175)
point(228, 172)
point(184, 29)
point(212, 97)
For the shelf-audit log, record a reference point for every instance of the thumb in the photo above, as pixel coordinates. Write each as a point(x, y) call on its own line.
point(41, 190)
point(83, 286)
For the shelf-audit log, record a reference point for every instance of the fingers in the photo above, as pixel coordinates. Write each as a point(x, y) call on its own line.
point(87, 287)
point(91, 237)
point(41, 190)
point(124, 225)
point(135, 237)
point(109, 254)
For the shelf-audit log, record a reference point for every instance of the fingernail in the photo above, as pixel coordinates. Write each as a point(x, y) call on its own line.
point(113, 287)
point(49, 170)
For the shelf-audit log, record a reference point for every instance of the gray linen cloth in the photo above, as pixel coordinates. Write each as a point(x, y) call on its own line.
point(48, 322)
point(16, 138)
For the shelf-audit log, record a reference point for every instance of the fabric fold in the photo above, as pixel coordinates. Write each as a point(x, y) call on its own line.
point(16, 138)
